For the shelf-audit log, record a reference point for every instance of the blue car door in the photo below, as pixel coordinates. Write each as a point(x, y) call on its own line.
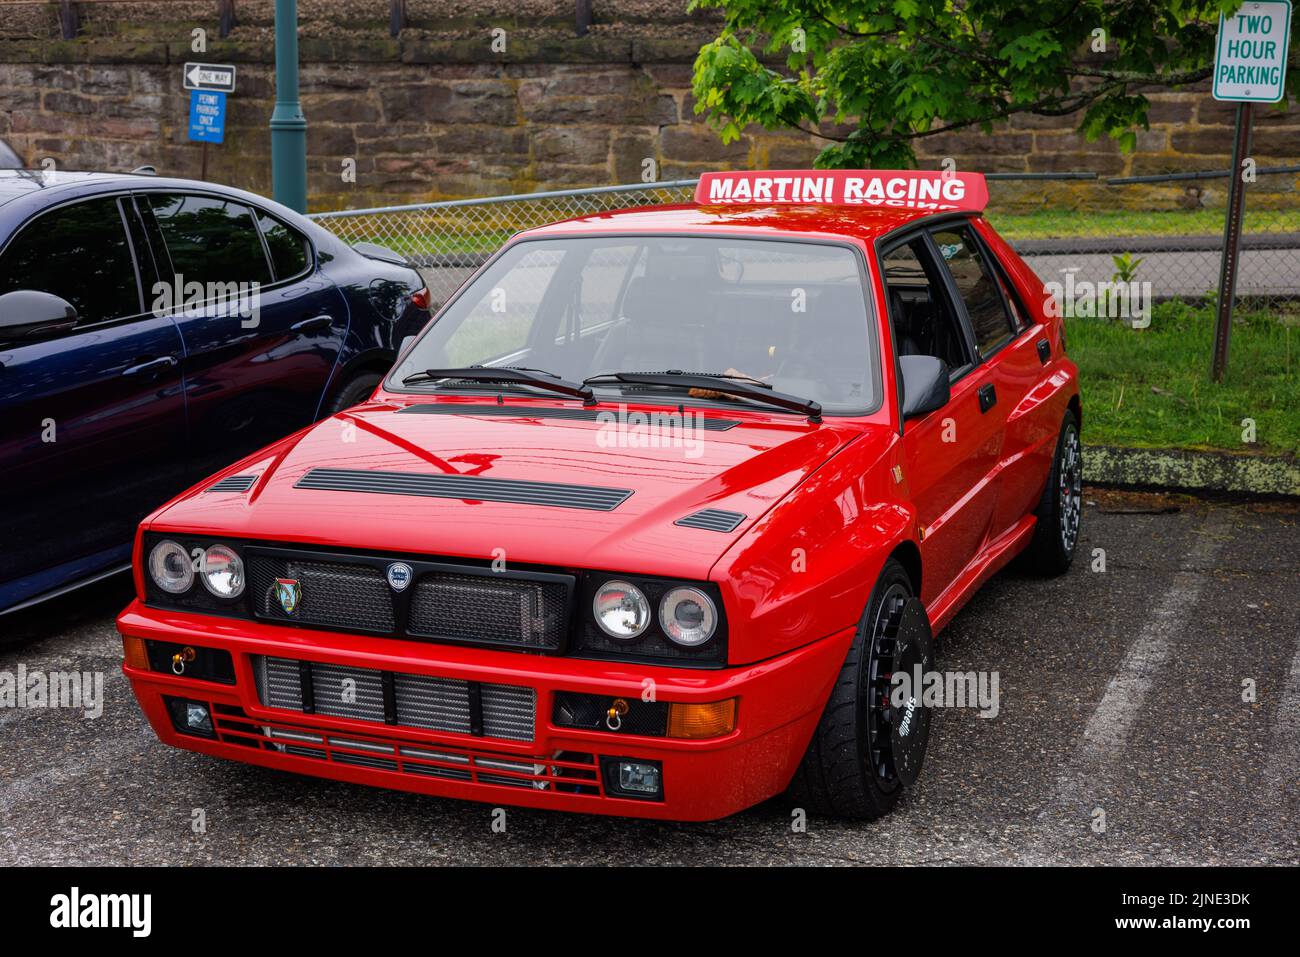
point(256, 362)
point(92, 422)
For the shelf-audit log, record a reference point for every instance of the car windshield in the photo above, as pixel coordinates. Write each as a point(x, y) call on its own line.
point(789, 314)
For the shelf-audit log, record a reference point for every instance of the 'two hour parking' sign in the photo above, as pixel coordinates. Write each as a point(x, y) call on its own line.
point(1250, 54)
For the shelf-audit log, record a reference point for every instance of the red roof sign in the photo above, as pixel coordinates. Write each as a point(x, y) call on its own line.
point(897, 189)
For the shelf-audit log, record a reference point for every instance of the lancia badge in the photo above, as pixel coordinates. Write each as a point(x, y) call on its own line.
point(399, 576)
point(289, 592)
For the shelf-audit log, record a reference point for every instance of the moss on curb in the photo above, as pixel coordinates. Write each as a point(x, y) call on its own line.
point(1192, 471)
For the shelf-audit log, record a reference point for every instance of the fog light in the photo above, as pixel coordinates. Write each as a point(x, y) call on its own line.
point(191, 717)
point(710, 720)
point(638, 777)
point(197, 717)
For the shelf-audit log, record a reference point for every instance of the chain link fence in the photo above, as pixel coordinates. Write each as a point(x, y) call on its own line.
point(1072, 228)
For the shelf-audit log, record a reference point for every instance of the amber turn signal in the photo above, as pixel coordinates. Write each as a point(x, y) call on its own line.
point(133, 651)
point(710, 720)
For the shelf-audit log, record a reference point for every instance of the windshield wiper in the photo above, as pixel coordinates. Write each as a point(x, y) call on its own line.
point(743, 387)
point(506, 374)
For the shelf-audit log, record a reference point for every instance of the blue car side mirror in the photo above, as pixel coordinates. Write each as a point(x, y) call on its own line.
point(29, 314)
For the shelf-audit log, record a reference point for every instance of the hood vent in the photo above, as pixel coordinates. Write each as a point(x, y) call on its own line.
point(576, 415)
point(712, 520)
point(233, 483)
point(471, 487)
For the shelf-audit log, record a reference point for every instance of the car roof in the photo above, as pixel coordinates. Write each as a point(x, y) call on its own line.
point(811, 221)
point(22, 182)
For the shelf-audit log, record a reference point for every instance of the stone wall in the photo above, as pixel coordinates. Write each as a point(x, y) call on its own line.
point(438, 112)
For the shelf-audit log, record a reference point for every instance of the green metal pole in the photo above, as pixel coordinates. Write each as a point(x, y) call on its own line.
point(288, 125)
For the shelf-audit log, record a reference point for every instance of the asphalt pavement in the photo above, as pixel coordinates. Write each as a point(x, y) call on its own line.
point(1149, 713)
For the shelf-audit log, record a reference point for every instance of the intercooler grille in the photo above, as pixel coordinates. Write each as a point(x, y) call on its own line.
point(415, 701)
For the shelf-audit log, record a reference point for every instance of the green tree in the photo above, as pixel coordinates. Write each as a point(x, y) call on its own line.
point(874, 77)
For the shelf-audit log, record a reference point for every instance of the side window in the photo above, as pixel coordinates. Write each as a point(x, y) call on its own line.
point(79, 253)
point(290, 250)
point(919, 310)
point(978, 287)
point(210, 239)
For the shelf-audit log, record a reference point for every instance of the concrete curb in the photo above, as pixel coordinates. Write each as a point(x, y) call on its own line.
point(1188, 470)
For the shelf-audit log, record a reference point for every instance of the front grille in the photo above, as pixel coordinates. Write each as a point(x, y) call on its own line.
point(469, 488)
point(415, 701)
point(498, 610)
point(562, 771)
point(453, 603)
point(330, 594)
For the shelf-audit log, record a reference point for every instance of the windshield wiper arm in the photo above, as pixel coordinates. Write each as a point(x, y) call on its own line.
point(515, 376)
point(715, 383)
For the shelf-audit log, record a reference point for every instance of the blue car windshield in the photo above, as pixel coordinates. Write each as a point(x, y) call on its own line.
point(790, 314)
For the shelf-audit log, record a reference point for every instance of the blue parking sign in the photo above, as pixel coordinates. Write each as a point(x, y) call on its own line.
point(207, 116)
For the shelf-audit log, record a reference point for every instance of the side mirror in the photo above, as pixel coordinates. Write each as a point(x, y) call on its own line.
point(28, 314)
point(925, 384)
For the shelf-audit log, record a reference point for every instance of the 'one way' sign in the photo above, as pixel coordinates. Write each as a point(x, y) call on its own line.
point(209, 76)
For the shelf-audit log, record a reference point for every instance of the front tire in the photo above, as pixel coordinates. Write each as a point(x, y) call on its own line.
point(1051, 551)
point(858, 763)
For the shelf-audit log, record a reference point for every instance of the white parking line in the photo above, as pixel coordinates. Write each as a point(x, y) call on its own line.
point(1282, 772)
point(1119, 707)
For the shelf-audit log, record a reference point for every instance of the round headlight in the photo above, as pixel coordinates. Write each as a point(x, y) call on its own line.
point(223, 571)
point(621, 610)
point(688, 616)
point(170, 567)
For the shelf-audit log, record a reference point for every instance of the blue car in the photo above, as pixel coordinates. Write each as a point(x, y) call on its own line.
point(152, 331)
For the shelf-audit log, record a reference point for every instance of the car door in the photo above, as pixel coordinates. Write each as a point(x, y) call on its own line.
point(262, 326)
point(92, 422)
point(950, 454)
point(1011, 362)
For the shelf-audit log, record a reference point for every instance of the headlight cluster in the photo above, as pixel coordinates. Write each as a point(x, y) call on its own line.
point(173, 568)
point(654, 618)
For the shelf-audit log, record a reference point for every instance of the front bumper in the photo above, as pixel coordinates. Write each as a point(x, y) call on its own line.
point(780, 702)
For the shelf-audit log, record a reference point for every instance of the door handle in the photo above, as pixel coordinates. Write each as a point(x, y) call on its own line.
point(1044, 351)
point(153, 365)
point(988, 397)
point(312, 324)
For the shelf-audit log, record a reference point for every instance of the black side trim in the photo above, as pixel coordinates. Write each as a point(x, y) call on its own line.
point(475, 709)
point(308, 691)
point(232, 483)
point(530, 412)
point(468, 487)
point(712, 520)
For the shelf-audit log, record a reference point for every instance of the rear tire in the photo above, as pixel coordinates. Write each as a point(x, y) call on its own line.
point(851, 769)
point(1059, 511)
point(354, 392)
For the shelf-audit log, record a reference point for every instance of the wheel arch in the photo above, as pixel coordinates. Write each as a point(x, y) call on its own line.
point(907, 554)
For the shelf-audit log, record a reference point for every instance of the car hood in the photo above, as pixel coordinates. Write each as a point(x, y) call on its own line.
point(471, 480)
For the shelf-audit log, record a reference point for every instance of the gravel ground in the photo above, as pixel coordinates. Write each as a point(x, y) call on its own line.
point(1121, 695)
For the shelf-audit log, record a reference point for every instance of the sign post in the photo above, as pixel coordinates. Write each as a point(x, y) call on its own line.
point(1249, 67)
point(208, 84)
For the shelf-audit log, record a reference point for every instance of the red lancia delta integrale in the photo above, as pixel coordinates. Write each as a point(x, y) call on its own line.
point(644, 521)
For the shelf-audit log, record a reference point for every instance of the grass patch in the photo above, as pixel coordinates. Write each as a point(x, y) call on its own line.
point(1151, 387)
point(1055, 223)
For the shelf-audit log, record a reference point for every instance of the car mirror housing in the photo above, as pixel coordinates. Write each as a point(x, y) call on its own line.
point(29, 314)
point(925, 384)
